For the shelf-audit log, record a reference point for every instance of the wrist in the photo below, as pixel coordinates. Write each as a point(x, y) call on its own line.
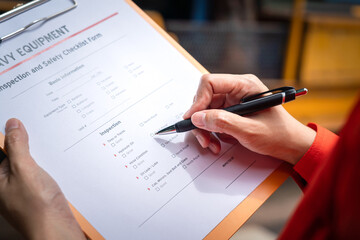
point(55, 228)
point(54, 223)
point(300, 140)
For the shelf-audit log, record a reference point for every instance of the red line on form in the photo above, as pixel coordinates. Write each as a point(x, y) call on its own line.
point(58, 43)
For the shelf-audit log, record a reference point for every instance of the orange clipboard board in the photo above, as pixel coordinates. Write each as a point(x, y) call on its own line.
point(240, 214)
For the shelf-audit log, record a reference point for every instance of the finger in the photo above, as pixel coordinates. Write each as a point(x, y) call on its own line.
point(202, 136)
point(214, 144)
point(226, 138)
point(220, 121)
point(218, 101)
point(207, 140)
point(16, 143)
point(209, 85)
point(234, 86)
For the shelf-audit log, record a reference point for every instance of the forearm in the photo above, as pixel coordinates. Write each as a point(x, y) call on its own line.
point(45, 219)
point(55, 228)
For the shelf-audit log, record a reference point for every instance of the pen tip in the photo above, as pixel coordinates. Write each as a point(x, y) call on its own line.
point(167, 130)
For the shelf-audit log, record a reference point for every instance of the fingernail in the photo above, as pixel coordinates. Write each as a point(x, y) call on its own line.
point(201, 140)
point(198, 119)
point(213, 147)
point(11, 124)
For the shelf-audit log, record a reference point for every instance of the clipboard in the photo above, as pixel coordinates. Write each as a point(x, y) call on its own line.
point(233, 221)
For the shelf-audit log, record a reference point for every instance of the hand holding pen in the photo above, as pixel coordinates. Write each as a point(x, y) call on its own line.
point(248, 105)
point(272, 131)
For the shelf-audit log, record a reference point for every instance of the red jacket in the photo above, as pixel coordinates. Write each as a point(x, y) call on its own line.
point(330, 174)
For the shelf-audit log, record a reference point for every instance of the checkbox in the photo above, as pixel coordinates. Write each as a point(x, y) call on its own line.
point(163, 145)
point(157, 189)
point(146, 177)
point(69, 101)
point(135, 166)
point(83, 116)
point(124, 155)
point(78, 111)
point(184, 166)
point(113, 144)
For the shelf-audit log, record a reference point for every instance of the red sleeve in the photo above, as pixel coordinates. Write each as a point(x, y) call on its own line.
point(330, 207)
point(316, 156)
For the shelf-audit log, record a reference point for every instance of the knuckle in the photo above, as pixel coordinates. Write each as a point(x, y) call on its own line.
point(251, 77)
point(252, 84)
point(23, 163)
point(207, 81)
point(13, 137)
point(206, 78)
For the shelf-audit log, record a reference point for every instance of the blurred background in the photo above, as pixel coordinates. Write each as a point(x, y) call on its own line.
point(313, 44)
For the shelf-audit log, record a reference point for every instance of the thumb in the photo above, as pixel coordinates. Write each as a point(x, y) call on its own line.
point(16, 141)
point(219, 121)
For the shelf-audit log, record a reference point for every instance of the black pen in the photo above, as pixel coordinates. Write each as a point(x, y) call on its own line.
point(248, 105)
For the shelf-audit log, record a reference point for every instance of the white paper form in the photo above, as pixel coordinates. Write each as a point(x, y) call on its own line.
point(92, 87)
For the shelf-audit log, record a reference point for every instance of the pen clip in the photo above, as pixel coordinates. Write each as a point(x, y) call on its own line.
point(289, 94)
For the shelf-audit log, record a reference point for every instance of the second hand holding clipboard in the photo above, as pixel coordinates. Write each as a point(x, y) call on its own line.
point(248, 105)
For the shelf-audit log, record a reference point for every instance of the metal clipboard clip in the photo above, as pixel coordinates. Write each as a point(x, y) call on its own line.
point(12, 13)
